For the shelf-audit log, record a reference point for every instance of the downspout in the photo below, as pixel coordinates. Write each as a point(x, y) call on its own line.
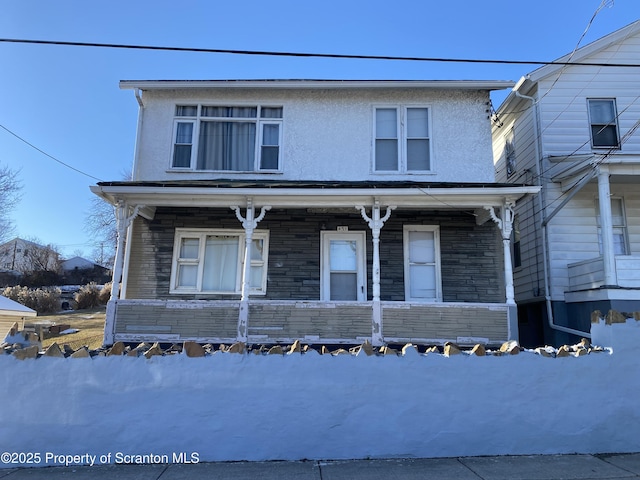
point(543, 221)
point(136, 155)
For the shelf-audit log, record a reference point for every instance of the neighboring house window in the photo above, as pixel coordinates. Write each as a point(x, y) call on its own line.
point(402, 139)
point(619, 222)
point(212, 261)
point(510, 154)
point(422, 263)
point(515, 241)
point(603, 120)
point(227, 138)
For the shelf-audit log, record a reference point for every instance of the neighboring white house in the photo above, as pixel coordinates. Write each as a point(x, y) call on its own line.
point(367, 210)
point(25, 256)
point(573, 130)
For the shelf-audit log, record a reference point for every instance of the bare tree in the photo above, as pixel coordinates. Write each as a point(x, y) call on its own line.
point(9, 196)
point(40, 258)
point(101, 222)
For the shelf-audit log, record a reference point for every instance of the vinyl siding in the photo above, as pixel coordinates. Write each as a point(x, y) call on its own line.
point(519, 119)
point(573, 235)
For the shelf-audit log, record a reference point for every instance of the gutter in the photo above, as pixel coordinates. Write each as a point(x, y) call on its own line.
point(544, 221)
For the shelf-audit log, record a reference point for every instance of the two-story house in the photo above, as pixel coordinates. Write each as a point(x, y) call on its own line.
point(25, 257)
point(571, 127)
point(267, 211)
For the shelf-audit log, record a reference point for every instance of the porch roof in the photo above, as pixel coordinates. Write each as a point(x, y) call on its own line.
point(291, 194)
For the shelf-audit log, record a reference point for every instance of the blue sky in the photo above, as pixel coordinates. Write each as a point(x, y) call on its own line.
point(66, 100)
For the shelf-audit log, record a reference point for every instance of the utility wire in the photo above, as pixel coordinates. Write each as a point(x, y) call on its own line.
point(306, 54)
point(50, 156)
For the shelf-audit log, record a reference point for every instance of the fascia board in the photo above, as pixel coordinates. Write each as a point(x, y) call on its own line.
point(299, 197)
point(315, 84)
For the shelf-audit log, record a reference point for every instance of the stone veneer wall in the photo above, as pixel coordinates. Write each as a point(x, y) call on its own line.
point(176, 321)
point(440, 323)
point(471, 255)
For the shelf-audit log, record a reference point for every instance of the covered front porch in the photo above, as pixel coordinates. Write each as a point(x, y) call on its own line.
point(303, 295)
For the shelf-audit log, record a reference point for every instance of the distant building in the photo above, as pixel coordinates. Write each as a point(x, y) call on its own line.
point(25, 257)
point(79, 270)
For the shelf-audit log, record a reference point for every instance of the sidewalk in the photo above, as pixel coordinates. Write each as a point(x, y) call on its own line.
point(539, 467)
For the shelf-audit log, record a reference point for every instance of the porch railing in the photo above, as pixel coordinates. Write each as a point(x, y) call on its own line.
point(589, 274)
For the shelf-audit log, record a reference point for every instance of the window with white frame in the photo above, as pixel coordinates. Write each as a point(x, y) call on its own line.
point(515, 242)
point(212, 261)
point(227, 138)
point(510, 153)
point(422, 263)
point(402, 139)
point(603, 120)
point(619, 223)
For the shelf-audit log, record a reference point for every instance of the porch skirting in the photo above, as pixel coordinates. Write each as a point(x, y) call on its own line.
point(274, 321)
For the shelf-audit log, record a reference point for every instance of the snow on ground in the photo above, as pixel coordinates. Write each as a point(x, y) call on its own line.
point(309, 406)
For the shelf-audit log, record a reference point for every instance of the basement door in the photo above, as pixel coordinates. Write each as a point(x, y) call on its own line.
point(343, 275)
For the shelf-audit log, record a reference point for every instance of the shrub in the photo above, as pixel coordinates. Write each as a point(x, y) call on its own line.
point(87, 297)
point(105, 293)
point(42, 300)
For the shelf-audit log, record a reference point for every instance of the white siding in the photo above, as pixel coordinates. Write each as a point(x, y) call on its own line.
point(573, 233)
point(518, 119)
point(328, 134)
point(563, 100)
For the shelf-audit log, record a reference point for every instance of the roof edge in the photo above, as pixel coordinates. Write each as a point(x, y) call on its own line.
point(315, 84)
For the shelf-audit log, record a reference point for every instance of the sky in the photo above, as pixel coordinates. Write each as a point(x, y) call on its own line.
point(65, 101)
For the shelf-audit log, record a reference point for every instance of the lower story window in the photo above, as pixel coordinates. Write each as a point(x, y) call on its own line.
point(212, 261)
point(619, 223)
point(422, 263)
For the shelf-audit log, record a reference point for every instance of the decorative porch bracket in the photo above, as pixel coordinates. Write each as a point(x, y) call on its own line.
point(249, 223)
point(505, 224)
point(376, 223)
point(123, 221)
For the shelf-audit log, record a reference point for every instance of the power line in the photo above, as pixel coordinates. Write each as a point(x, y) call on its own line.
point(50, 156)
point(307, 54)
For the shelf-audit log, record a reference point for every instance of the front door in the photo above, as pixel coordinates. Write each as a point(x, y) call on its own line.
point(343, 275)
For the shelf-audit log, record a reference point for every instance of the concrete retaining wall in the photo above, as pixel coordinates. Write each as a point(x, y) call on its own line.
point(309, 406)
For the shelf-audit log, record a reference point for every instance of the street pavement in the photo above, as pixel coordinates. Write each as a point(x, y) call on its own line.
point(535, 467)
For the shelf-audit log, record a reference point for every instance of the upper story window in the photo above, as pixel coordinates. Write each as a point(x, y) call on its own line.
point(603, 120)
point(227, 138)
point(402, 139)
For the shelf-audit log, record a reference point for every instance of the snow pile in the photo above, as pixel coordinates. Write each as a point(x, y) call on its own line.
point(310, 406)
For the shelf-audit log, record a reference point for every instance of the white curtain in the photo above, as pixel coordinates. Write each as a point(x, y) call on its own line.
point(220, 264)
point(227, 146)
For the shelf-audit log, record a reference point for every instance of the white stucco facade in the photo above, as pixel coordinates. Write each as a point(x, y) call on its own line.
point(328, 133)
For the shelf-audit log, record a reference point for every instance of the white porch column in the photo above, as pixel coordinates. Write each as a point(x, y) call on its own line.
point(606, 226)
point(122, 224)
point(505, 224)
point(249, 223)
point(375, 224)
